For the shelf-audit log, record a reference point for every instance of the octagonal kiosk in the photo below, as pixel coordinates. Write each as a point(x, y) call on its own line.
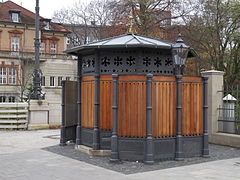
point(129, 101)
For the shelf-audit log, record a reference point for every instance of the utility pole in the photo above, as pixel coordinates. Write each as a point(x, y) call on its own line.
point(37, 90)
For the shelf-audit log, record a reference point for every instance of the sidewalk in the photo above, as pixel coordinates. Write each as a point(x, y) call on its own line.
point(22, 157)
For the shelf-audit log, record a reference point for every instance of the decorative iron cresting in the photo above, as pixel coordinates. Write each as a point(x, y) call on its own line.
point(136, 62)
point(88, 64)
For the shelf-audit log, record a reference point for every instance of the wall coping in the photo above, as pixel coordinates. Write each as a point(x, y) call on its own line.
point(213, 72)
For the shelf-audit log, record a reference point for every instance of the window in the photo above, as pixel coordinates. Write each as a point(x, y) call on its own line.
point(53, 48)
point(3, 75)
point(68, 78)
point(51, 81)
point(12, 76)
point(15, 43)
point(43, 81)
point(15, 17)
point(2, 99)
point(47, 25)
point(11, 99)
point(68, 40)
point(59, 81)
point(42, 47)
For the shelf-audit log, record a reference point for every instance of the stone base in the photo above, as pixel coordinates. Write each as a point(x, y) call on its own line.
point(38, 126)
point(38, 115)
point(225, 139)
point(91, 152)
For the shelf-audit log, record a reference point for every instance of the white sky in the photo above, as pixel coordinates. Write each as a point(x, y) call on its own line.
point(47, 7)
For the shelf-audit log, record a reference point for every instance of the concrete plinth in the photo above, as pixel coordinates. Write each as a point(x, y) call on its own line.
point(38, 114)
point(226, 139)
point(92, 152)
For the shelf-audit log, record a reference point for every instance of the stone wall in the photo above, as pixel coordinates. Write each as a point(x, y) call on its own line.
point(215, 100)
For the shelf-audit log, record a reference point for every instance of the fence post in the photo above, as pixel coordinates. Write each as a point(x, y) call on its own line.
point(79, 76)
point(96, 138)
point(114, 139)
point(149, 140)
point(63, 126)
point(215, 91)
point(205, 151)
point(178, 152)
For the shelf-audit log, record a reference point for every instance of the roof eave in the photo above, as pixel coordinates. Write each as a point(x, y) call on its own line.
point(76, 50)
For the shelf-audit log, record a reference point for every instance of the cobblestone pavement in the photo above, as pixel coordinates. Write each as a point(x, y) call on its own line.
point(36, 155)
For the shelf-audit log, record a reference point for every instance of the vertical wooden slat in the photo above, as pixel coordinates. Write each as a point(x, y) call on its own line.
point(164, 102)
point(105, 102)
point(192, 106)
point(132, 105)
point(164, 109)
point(154, 123)
point(161, 104)
point(87, 100)
point(170, 107)
point(140, 127)
point(192, 109)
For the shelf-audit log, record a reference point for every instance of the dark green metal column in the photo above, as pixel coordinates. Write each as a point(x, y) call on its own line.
point(205, 151)
point(37, 73)
point(79, 76)
point(179, 148)
point(96, 138)
point(114, 139)
point(149, 140)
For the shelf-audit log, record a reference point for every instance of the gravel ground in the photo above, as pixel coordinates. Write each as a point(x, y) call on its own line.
point(216, 153)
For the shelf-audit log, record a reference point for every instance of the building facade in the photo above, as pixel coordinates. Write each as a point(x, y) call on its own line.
point(17, 33)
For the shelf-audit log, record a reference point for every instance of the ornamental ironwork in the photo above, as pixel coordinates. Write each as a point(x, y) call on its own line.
point(168, 62)
point(147, 61)
point(157, 62)
point(118, 61)
point(130, 61)
point(105, 61)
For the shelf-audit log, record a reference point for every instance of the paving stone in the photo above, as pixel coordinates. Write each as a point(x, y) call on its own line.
point(36, 155)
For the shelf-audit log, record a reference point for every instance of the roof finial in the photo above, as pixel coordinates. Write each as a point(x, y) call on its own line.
point(179, 39)
point(130, 25)
point(130, 29)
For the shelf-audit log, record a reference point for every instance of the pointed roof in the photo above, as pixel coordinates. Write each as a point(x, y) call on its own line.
point(132, 40)
point(26, 16)
point(229, 97)
point(126, 41)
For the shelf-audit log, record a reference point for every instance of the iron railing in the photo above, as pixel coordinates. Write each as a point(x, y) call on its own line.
point(229, 112)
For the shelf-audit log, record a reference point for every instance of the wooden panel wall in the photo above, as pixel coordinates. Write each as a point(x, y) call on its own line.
point(105, 102)
point(163, 106)
point(87, 100)
point(132, 106)
point(192, 106)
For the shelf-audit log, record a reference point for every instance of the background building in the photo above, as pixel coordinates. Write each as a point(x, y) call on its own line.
point(17, 32)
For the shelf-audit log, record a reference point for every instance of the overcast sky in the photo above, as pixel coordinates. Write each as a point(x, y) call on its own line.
point(47, 7)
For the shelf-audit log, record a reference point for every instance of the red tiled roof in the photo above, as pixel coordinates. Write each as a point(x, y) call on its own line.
point(26, 16)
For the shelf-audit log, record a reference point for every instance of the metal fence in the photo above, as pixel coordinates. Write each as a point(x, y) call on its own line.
point(229, 112)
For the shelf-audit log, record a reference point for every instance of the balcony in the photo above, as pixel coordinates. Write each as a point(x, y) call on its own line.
point(29, 55)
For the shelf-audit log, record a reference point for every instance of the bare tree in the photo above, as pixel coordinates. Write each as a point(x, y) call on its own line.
point(87, 19)
point(214, 32)
point(152, 15)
